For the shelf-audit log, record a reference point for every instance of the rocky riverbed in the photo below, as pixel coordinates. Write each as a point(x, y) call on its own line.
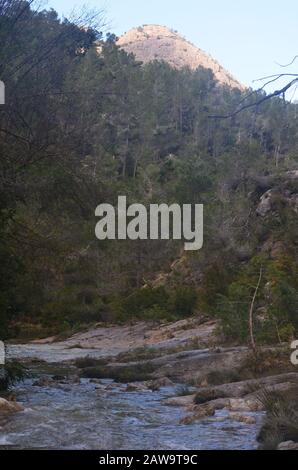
point(86, 414)
point(137, 387)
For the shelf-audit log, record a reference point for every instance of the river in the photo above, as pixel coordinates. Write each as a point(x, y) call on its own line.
point(104, 415)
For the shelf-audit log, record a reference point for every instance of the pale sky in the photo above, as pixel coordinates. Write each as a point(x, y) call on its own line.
point(248, 38)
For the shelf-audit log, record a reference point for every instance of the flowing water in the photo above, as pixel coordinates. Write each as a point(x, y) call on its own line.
point(87, 415)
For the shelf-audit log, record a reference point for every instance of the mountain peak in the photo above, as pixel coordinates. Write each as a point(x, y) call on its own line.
point(155, 42)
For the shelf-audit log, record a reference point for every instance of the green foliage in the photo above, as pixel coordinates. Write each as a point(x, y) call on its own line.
point(11, 373)
point(214, 284)
point(144, 300)
point(138, 372)
point(71, 307)
point(159, 304)
point(281, 422)
point(82, 128)
point(183, 301)
point(275, 310)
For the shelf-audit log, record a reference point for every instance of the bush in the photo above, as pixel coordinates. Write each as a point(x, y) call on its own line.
point(130, 373)
point(84, 362)
point(11, 373)
point(184, 301)
point(276, 303)
point(73, 306)
point(158, 304)
point(145, 299)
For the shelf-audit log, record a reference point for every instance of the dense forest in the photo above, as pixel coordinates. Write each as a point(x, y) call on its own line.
point(85, 122)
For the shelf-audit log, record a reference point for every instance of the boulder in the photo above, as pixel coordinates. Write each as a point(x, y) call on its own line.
point(202, 412)
point(242, 418)
point(136, 387)
point(158, 383)
point(43, 382)
point(245, 404)
point(8, 407)
point(248, 388)
point(186, 400)
point(288, 445)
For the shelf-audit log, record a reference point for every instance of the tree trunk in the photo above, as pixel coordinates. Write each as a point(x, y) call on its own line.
point(251, 311)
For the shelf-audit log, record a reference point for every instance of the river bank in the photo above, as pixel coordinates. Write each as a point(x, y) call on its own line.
point(168, 386)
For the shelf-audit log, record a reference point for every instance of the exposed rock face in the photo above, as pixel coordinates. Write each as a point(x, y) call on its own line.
point(281, 191)
point(272, 199)
point(154, 42)
point(9, 407)
point(109, 341)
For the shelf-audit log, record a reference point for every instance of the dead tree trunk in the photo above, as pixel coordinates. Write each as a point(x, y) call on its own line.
point(251, 312)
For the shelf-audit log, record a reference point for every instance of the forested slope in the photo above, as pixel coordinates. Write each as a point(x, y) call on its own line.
point(80, 128)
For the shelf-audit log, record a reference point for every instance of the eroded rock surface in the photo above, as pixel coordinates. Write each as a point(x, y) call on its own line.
point(155, 42)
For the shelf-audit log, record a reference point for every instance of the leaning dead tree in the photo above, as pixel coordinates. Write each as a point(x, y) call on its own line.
point(251, 313)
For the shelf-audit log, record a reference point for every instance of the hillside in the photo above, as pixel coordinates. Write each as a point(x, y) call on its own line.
point(154, 42)
point(144, 131)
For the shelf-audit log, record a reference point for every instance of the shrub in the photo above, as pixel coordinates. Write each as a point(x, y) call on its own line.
point(276, 303)
point(130, 373)
point(11, 373)
point(281, 422)
point(145, 299)
point(88, 361)
point(72, 306)
point(184, 301)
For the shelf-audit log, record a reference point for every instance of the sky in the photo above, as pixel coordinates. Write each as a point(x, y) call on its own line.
point(250, 38)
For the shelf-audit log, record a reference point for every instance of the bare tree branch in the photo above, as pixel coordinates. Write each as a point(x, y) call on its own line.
point(276, 93)
point(288, 65)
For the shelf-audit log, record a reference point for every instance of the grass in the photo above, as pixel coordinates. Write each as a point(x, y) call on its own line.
point(124, 374)
point(281, 422)
point(84, 362)
point(184, 391)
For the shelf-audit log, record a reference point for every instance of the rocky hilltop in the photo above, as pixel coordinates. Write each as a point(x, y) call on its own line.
point(154, 42)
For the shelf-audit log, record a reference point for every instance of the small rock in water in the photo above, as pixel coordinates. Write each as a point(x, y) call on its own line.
point(242, 404)
point(136, 387)
point(242, 418)
point(43, 382)
point(202, 412)
point(58, 378)
point(186, 400)
point(155, 385)
point(95, 381)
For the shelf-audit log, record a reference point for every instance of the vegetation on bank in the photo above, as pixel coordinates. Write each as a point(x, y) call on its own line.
point(10, 373)
point(80, 128)
point(281, 422)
